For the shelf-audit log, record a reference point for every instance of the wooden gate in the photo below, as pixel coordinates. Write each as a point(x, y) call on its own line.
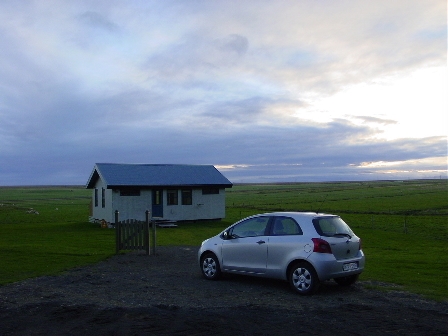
point(131, 234)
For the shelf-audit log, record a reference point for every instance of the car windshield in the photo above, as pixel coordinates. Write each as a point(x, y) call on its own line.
point(332, 226)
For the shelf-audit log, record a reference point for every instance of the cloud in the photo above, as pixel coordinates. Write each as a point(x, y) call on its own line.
point(98, 21)
point(374, 120)
point(280, 90)
point(233, 43)
point(196, 59)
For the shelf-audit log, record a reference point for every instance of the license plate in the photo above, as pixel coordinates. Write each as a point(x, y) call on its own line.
point(350, 266)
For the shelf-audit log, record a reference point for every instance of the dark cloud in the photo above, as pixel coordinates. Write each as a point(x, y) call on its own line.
point(245, 111)
point(233, 43)
point(195, 56)
point(270, 153)
point(99, 21)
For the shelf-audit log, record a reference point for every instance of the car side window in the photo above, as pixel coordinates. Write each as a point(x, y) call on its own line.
point(251, 227)
point(282, 226)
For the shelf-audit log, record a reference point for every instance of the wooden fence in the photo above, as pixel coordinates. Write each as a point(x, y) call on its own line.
point(133, 234)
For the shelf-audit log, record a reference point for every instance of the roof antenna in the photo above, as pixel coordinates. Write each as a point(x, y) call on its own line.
point(320, 205)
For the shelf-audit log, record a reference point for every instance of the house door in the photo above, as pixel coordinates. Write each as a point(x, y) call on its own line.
point(157, 203)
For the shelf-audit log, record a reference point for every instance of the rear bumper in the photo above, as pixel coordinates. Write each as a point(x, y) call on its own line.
point(327, 267)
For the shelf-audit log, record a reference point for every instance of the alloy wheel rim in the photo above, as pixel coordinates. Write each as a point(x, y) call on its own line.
point(209, 267)
point(302, 279)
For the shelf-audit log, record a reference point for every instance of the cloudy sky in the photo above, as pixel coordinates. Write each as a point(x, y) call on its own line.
point(267, 91)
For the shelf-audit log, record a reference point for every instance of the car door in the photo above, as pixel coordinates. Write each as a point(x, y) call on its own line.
point(246, 250)
point(286, 242)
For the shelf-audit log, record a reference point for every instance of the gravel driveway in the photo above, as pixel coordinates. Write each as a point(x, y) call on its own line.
point(135, 294)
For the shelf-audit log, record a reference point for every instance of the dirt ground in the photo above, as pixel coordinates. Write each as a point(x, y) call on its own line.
point(134, 294)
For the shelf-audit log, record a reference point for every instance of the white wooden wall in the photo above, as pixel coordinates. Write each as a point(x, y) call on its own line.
point(134, 207)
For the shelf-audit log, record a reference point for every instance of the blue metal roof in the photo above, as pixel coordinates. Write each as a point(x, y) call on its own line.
point(150, 175)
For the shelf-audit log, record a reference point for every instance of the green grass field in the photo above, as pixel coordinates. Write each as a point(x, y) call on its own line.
point(403, 226)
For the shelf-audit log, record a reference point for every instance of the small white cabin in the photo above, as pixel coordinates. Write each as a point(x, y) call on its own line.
point(168, 191)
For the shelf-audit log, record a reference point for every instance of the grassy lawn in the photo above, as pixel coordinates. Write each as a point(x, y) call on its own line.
point(403, 226)
point(44, 231)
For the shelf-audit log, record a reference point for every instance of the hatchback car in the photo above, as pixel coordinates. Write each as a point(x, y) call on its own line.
point(303, 248)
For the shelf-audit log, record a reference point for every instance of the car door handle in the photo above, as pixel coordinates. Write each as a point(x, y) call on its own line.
point(260, 242)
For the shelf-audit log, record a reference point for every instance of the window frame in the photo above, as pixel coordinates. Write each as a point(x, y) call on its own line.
point(186, 196)
point(103, 197)
point(172, 197)
point(130, 192)
point(210, 191)
point(96, 198)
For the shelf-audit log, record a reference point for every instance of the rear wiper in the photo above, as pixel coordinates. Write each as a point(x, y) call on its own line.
point(342, 235)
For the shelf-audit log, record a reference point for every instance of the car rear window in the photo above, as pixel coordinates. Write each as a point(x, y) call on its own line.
point(330, 226)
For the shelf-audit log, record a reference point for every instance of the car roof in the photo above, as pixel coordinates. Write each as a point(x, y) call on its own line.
point(296, 214)
point(301, 217)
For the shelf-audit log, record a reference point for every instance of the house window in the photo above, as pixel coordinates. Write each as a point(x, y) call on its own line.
point(187, 198)
point(172, 197)
point(157, 197)
point(130, 192)
point(103, 197)
point(210, 191)
point(96, 197)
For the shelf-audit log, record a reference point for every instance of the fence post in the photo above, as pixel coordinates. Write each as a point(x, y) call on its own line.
point(117, 233)
point(153, 243)
point(146, 232)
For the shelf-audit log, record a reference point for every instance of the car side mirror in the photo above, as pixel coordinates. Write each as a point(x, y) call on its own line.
point(226, 235)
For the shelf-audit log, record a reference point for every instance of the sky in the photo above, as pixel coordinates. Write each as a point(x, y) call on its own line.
point(266, 91)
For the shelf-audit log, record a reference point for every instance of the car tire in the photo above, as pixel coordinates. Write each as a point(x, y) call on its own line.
point(210, 266)
point(303, 278)
point(347, 281)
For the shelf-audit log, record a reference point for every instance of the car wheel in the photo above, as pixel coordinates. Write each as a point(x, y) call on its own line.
point(303, 278)
point(347, 281)
point(210, 266)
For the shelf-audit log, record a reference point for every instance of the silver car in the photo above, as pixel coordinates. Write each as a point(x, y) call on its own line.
point(303, 248)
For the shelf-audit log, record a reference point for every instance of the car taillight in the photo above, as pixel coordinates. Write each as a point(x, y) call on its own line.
point(321, 246)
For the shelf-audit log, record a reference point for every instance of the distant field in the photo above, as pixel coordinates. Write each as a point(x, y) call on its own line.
point(392, 206)
point(403, 226)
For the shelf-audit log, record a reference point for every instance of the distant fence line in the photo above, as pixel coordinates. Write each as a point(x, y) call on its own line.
point(423, 225)
point(427, 223)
